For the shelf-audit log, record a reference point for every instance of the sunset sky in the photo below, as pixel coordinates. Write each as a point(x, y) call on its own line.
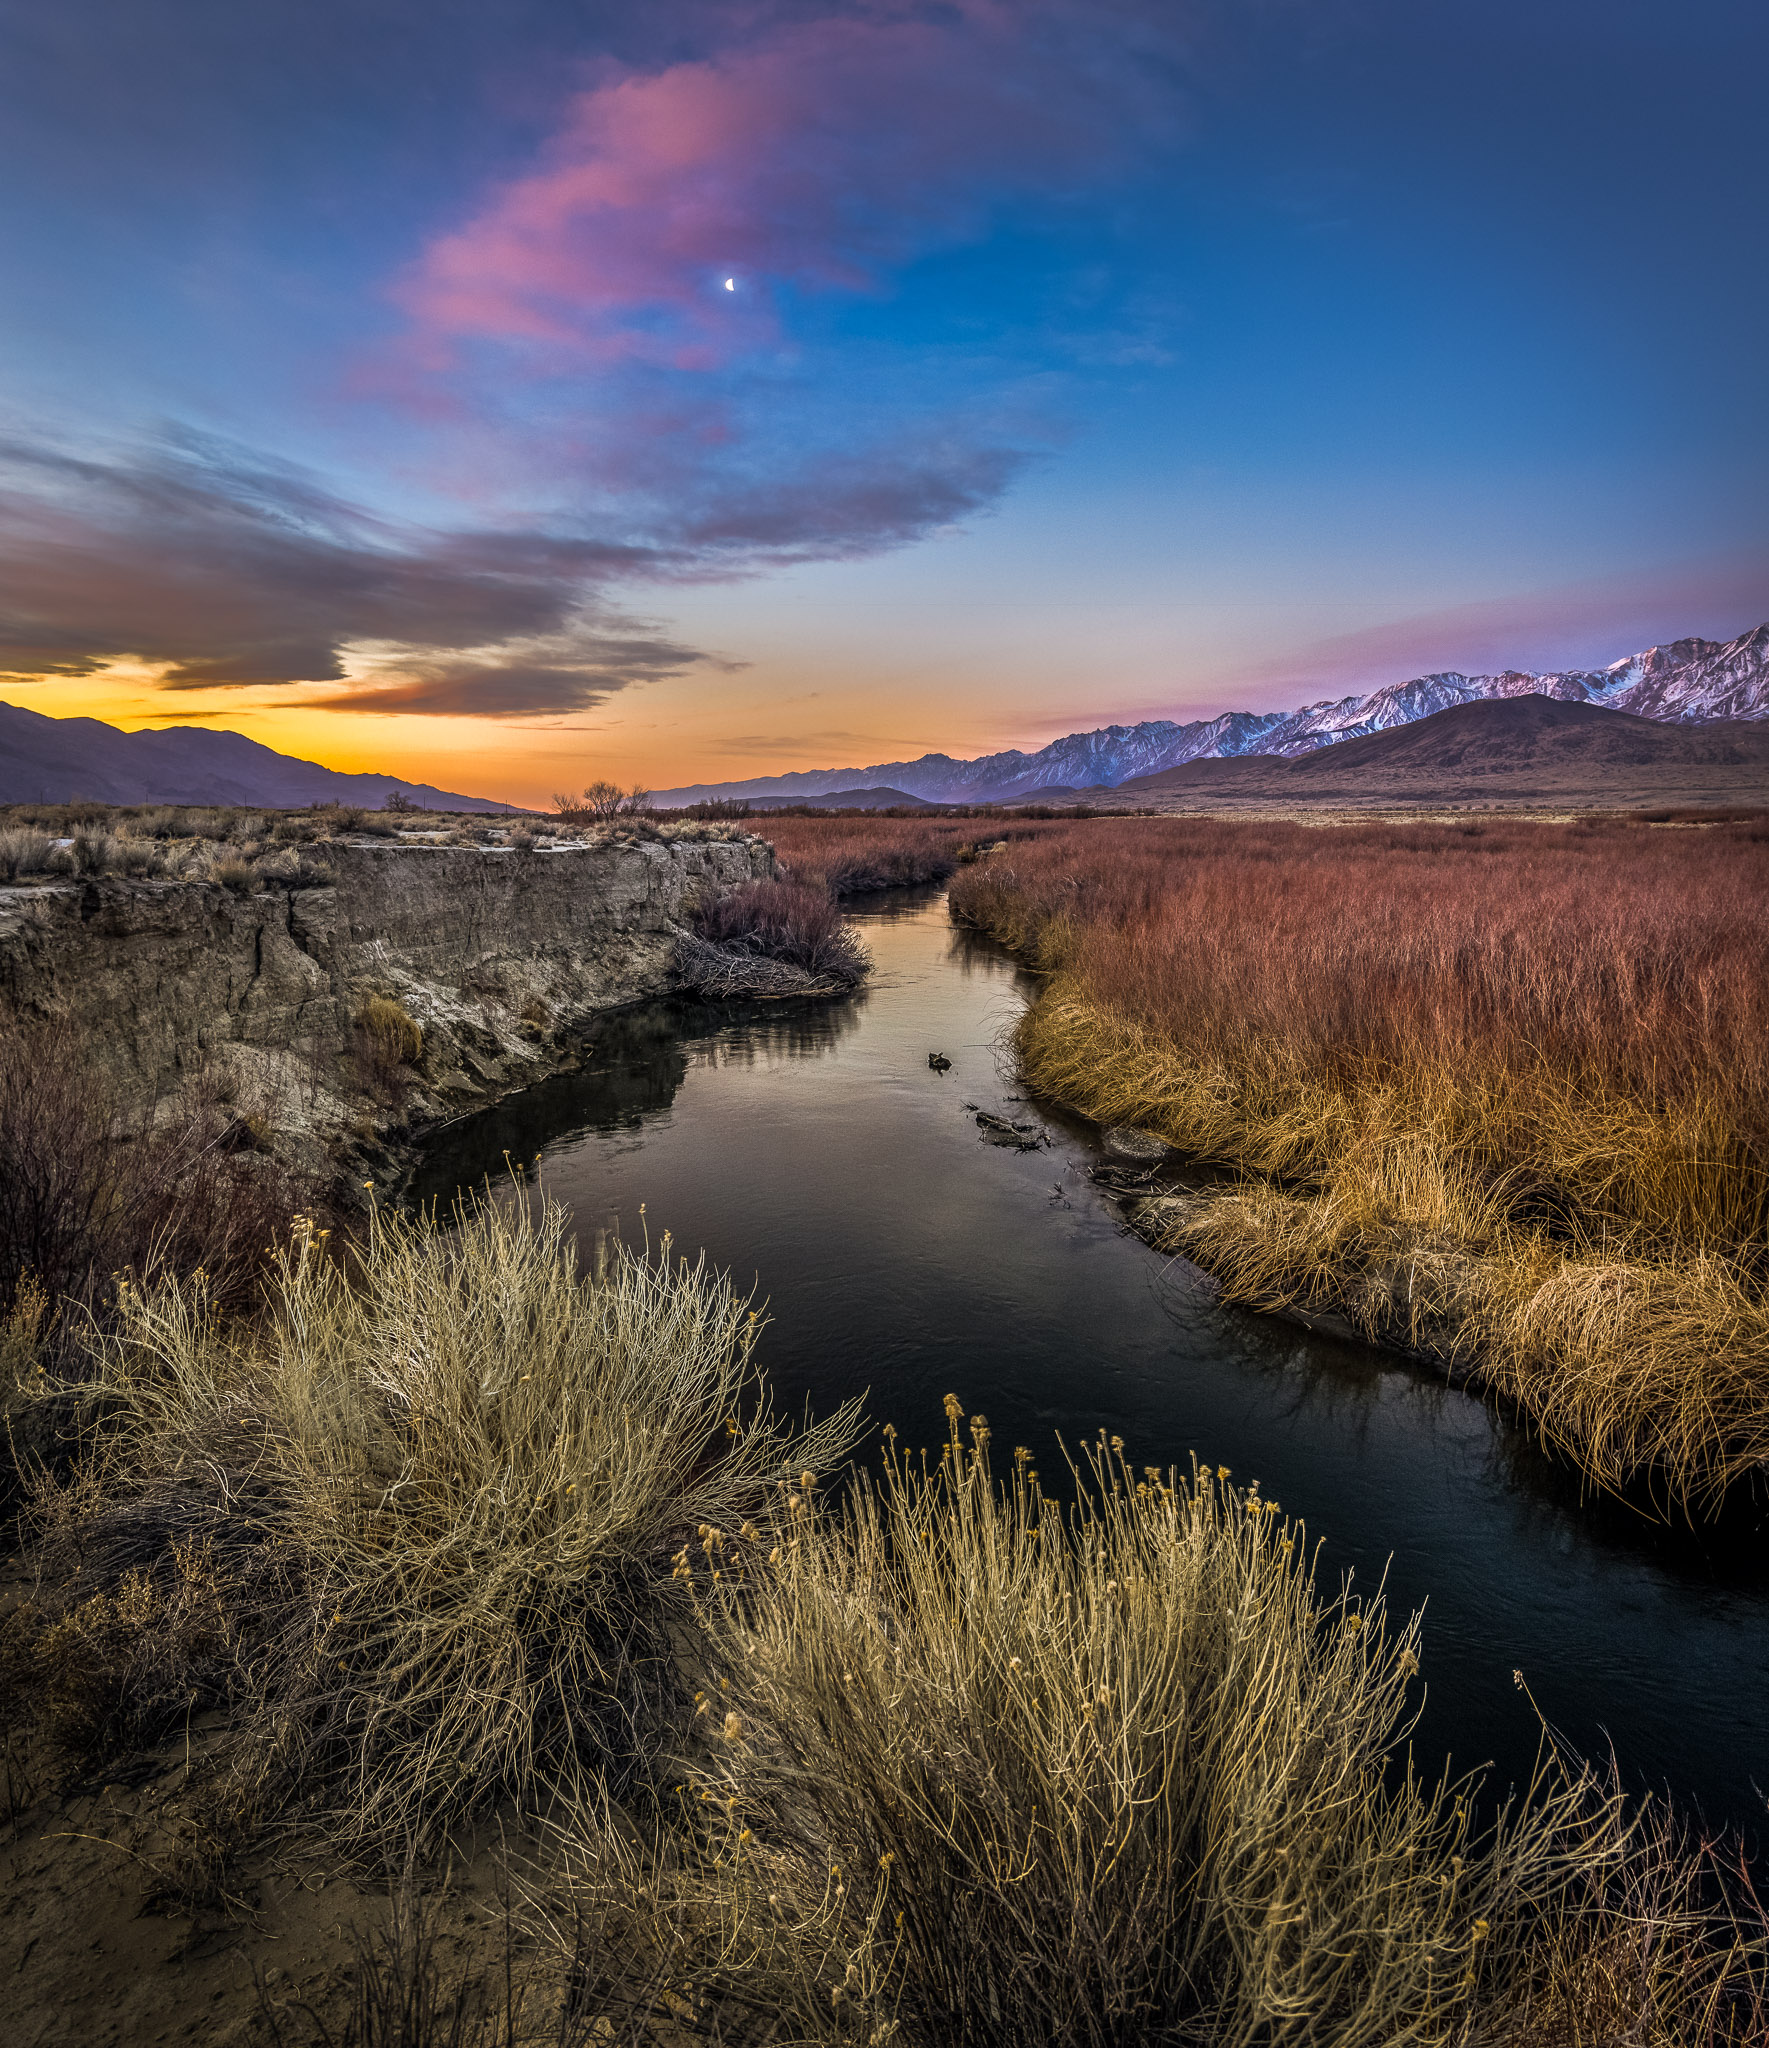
point(505, 395)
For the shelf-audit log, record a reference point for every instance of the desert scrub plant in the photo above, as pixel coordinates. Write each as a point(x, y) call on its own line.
point(24, 852)
point(982, 1769)
point(94, 851)
point(446, 1488)
point(140, 859)
point(771, 938)
point(237, 876)
point(105, 1674)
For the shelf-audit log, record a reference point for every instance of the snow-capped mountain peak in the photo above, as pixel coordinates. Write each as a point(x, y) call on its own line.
point(1680, 682)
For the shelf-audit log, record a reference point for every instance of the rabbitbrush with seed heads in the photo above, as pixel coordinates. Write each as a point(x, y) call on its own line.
point(441, 1492)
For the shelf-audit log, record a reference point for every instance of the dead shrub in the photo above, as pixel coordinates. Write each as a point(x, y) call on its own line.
point(771, 938)
point(88, 1192)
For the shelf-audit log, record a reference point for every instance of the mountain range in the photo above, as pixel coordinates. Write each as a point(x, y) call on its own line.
point(1683, 682)
point(62, 760)
point(1534, 750)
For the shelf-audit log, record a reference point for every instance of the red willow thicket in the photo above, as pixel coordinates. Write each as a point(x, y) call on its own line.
point(1629, 959)
point(866, 851)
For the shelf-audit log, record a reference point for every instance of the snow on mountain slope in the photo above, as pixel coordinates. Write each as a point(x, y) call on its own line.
point(1681, 682)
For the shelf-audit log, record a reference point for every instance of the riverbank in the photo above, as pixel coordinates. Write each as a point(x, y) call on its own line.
point(482, 1544)
point(1495, 1093)
point(345, 994)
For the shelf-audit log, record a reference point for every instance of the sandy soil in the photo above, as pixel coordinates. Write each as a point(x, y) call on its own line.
point(92, 1953)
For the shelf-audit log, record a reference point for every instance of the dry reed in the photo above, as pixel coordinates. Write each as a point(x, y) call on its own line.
point(856, 854)
point(1505, 1090)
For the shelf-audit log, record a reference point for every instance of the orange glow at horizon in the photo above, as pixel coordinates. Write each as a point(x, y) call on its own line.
point(655, 735)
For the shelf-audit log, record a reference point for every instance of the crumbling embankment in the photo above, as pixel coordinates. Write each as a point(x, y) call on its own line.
point(258, 996)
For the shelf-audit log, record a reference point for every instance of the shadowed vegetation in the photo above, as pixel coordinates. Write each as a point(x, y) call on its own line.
point(772, 939)
point(1499, 1089)
point(87, 1192)
point(433, 1502)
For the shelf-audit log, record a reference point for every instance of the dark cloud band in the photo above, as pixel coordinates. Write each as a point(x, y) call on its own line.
point(227, 571)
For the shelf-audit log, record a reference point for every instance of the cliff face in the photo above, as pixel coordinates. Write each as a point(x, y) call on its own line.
point(258, 997)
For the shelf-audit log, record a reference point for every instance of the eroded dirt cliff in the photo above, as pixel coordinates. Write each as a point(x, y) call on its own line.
point(259, 995)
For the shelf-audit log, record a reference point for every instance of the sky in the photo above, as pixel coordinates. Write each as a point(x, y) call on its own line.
point(509, 395)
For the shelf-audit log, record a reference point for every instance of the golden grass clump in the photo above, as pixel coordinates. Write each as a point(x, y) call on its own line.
point(443, 1492)
point(393, 1033)
point(978, 1768)
point(1500, 1090)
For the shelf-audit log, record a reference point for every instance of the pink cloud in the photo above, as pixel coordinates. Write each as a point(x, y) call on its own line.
point(812, 161)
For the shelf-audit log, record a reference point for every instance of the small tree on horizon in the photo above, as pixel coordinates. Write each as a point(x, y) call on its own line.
point(600, 801)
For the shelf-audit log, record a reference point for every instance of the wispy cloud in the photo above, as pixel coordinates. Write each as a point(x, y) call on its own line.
point(221, 570)
point(671, 209)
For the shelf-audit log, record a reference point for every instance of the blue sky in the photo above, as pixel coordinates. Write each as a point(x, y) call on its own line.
point(369, 380)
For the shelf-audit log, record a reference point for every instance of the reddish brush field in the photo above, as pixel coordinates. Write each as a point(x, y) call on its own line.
point(1504, 1086)
point(866, 851)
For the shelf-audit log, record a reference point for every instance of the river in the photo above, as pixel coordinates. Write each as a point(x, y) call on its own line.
point(812, 1152)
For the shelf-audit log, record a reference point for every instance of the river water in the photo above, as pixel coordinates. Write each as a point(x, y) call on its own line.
point(811, 1151)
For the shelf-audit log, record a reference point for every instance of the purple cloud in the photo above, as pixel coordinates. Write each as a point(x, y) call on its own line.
point(813, 159)
point(231, 572)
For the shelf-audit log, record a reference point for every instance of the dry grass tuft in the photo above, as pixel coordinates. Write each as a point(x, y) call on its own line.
point(979, 1769)
point(441, 1497)
point(24, 852)
point(391, 1030)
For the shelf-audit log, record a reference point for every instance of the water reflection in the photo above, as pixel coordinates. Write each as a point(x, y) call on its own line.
point(628, 1066)
point(811, 1151)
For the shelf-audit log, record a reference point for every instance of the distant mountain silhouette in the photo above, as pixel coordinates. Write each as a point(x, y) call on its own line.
point(848, 800)
point(1682, 682)
point(1499, 749)
point(55, 760)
